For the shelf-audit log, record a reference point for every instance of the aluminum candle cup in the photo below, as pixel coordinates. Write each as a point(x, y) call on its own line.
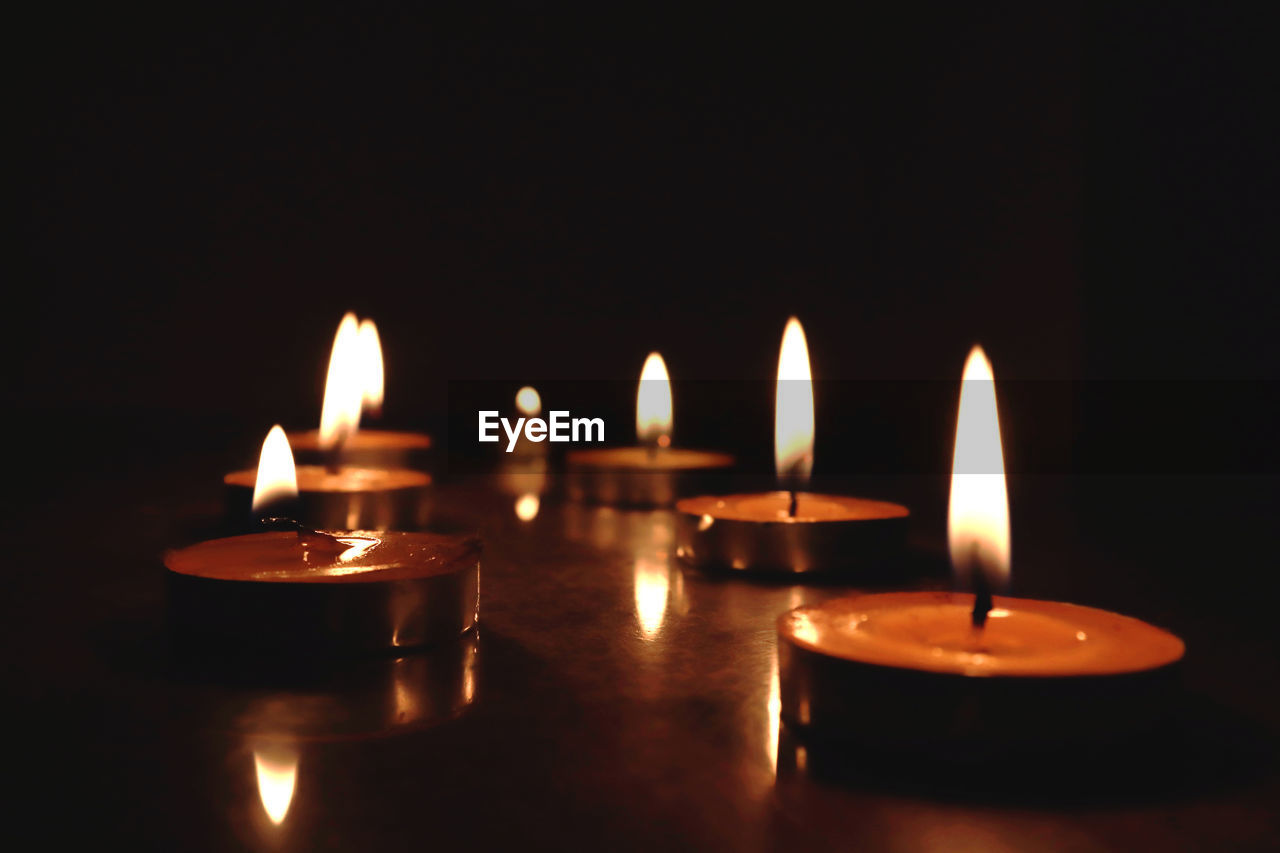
point(638, 476)
point(757, 533)
point(908, 671)
point(367, 448)
point(348, 499)
point(343, 591)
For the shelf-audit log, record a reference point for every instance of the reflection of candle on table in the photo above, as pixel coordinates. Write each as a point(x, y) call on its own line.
point(276, 766)
point(349, 498)
point(300, 587)
point(919, 667)
point(354, 384)
point(524, 472)
point(791, 530)
point(653, 474)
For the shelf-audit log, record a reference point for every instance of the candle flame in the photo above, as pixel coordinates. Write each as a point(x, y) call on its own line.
point(343, 389)
point(978, 516)
point(793, 413)
point(277, 770)
point(653, 403)
point(653, 583)
point(529, 402)
point(354, 382)
point(369, 348)
point(527, 506)
point(277, 479)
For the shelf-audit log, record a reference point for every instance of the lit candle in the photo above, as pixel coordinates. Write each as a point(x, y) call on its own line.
point(300, 587)
point(965, 671)
point(790, 530)
point(348, 498)
point(354, 385)
point(654, 473)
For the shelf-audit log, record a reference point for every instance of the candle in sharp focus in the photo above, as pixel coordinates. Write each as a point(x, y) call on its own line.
point(348, 497)
point(972, 671)
point(790, 530)
point(297, 585)
point(354, 386)
point(652, 473)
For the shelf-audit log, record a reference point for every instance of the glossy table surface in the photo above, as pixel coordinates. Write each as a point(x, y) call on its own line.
point(611, 700)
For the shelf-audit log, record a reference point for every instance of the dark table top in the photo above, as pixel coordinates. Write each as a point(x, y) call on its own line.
point(612, 698)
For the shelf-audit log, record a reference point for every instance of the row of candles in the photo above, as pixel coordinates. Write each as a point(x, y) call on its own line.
point(337, 560)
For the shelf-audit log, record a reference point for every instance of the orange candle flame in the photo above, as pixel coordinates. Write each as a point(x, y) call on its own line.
point(978, 514)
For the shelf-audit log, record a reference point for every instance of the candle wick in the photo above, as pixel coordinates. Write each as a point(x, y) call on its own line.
point(981, 597)
point(312, 537)
point(791, 507)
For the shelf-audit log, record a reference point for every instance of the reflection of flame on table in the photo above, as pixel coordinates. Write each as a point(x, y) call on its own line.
point(277, 770)
point(369, 699)
point(652, 586)
point(773, 710)
point(374, 698)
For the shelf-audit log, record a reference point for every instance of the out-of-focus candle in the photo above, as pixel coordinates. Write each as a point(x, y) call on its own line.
point(302, 587)
point(654, 473)
point(354, 385)
point(349, 498)
point(790, 530)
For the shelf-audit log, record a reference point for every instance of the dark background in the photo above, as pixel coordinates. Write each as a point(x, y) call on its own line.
point(527, 197)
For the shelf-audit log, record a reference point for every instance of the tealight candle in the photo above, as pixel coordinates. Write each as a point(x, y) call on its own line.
point(348, 498)
point(653, 474)
point(299, 587)
point(969, 671)
point(790, 530)
point(355, 384)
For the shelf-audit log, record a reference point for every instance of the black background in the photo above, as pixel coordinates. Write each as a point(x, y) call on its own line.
point(526, 196)
point(533, 197)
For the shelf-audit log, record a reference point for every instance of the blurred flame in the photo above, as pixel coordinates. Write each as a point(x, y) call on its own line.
point(277, 774)
point(529, 402)
point(653, 403)
point(343, 387)
point(978, 516)
point(527, 506)
point(369, 352)
point(793, 413)
point(277, 479)
point(653, 583)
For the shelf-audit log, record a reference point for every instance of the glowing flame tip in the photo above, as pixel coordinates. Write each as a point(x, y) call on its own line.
point(529, 401)
point(277, 479)
point(653, 403)
point(978, 514)
point(793, 412)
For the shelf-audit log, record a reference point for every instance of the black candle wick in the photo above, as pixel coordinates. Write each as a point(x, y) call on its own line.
point(312, 536)
point(791, 507)
point(981, 597)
